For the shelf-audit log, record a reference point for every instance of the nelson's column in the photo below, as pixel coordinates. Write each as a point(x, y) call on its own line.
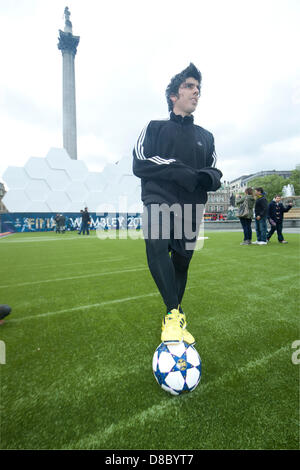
point(68, 46)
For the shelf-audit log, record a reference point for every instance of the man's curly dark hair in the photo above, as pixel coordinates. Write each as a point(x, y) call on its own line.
point(177, 80)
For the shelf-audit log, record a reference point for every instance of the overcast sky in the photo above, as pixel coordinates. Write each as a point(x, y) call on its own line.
point(247, 51)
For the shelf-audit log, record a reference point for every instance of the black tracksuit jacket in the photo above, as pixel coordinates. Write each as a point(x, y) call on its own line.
point(261, 207)
point(175, 160)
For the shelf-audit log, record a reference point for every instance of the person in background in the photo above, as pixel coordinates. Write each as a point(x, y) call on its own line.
point(275, 216)
point(62, 223)
point(80, 229)
point(57, 223)
point(85, 221)
point(246, 219)
point(261, 212)
point(4, 311)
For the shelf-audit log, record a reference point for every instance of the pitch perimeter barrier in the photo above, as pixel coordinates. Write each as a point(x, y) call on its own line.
point(45, 222)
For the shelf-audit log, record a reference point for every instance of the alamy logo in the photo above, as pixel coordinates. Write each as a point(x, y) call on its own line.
point(162, 221)
point(2, 353)
point(296, 354)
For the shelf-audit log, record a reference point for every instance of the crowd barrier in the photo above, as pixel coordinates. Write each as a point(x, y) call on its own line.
point(45, 222)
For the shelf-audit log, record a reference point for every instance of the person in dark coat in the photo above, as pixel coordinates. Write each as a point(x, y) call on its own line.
point(261, 212)
point(4, 311)
point(275, 216)
point(80, 229)
point(57, 223)
point(85, 221)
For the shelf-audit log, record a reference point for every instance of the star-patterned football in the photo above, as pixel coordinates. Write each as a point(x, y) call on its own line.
point(177, 367)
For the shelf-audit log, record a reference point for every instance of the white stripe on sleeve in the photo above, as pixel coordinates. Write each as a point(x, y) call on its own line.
point(139, 150)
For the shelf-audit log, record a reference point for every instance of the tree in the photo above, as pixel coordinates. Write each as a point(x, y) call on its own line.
point(271, 184)
point(295, 181)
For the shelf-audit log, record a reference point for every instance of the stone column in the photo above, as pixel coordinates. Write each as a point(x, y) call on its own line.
point(68, 46)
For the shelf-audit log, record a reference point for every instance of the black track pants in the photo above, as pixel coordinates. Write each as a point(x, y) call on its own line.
point(168, 272)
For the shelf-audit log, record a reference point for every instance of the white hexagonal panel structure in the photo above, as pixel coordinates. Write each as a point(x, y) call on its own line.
point(38, 206)
point(94, 199)
point(95, 181)
point(58, 201)
point(58, 158)
point(58, 184)
point(37, 190)
point(16, 177)
point(76, 207)
point(58, 180)
point(37, 167)
point(77, 170)
point(126, 184)
point(110, 171)
point(16, 200)
point(77, 191)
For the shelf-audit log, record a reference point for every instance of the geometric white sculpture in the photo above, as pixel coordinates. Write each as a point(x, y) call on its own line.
point(77, 191)
point(16, 177)
point(58, 201)
point(77, 170)
point(94, 199)
point(36, 167)
point(59, 184)
point(16, 199)
point(58, 180)
point(37, 206)
point(37, 190)
point(57, 158)
point(95, 181)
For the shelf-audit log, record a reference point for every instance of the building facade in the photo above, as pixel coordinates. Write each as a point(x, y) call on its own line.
point(2, 192)
point(218, 203)
point(240, 184)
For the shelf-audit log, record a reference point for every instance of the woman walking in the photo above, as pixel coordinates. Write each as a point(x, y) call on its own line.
point(246, 205)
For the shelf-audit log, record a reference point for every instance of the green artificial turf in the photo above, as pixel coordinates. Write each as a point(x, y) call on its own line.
point(85, 323)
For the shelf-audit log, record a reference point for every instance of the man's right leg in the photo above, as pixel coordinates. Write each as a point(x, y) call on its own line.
point(279, 232)
point(162, 270)
point(258, 230)
point(271, 231)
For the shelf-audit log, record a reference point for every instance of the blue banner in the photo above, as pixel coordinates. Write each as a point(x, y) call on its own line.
point(45, 222)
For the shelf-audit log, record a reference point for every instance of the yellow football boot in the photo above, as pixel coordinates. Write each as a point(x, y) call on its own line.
point(172, 332)
point(187, 337)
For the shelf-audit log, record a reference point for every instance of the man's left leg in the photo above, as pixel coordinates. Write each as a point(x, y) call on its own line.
point(264, 229)
point(181, 265)
point(279, 232)
point(271, 231)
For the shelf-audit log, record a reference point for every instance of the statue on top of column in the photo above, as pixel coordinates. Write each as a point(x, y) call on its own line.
point(68, 24)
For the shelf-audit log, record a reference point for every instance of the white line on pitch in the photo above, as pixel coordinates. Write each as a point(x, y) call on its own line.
point(83, 307)
point(107, 273)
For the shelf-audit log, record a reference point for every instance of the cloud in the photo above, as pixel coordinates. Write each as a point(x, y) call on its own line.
point(23, 108)
point(268, 139)
point(126, 56)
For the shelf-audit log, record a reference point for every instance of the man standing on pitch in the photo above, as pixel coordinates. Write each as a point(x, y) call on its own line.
point(175, 160)
point(86, 218)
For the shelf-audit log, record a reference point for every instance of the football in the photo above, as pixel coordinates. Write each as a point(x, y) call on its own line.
point(177, 367)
